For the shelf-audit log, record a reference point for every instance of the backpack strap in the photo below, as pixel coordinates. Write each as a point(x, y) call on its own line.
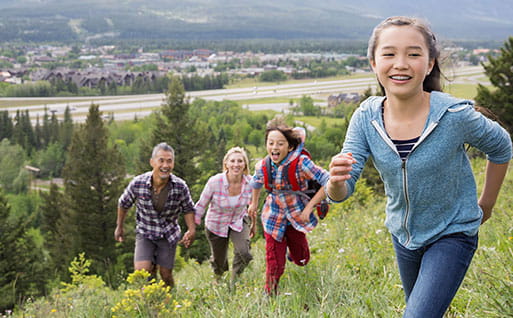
point(305, 152)
point(266, 169)
point(287, 175)
point(292, 172)
point(292, 175)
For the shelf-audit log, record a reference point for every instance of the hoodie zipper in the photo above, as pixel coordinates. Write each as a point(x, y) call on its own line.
point(407, 199)
point(404, 171)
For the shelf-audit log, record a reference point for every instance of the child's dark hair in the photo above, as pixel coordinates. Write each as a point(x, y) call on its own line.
point(292, 136)
point(432, 80)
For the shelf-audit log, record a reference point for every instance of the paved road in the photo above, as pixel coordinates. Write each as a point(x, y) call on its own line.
point(127, 107)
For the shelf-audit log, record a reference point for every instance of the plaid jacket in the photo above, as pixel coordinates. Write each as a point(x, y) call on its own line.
point(284, 208)
point(150, 223)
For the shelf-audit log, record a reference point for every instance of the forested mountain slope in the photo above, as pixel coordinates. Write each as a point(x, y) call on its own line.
point(67, 20)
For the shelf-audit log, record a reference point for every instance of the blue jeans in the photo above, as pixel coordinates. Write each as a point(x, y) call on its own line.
point(431, 275)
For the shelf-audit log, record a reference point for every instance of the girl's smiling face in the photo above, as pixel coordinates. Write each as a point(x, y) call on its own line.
point(402, 61)
point(277, 146)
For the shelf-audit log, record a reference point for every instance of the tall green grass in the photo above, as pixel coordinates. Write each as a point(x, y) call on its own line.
point(352, 273)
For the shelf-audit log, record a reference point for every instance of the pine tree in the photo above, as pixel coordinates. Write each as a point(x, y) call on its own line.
point(38, 133)
point(22, 264)
point(94, 177)
point(30, 142)
point(17, 131)
point(500, 99)
point(6, 125)
point(66, 129)
point(175, 126)
point(23, 133)
point(54, 221)
point(11, 231)
point(45, 130)
point(54, 128)
point(220, 149)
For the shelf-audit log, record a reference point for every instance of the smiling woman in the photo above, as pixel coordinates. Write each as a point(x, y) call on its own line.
point(226, 197)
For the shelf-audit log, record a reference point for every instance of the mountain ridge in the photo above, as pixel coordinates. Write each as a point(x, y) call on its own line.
point(65, 20)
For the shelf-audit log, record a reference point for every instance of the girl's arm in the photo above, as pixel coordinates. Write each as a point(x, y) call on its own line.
point(493, 181)
point(256, 184)
point(253, 206)
point(317, 198)
point(252, 210)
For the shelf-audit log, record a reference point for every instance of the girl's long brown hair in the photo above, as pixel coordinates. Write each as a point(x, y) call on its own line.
point(432, 81)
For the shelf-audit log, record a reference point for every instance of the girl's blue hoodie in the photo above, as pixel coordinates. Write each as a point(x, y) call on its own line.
point(433, 192)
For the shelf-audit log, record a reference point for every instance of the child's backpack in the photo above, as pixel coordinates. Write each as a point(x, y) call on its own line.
point(290, 175)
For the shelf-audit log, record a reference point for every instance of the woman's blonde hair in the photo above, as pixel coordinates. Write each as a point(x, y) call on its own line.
point(244, 155)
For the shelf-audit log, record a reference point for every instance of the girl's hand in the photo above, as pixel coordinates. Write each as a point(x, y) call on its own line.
point(340, 167)
point(252, 217)
point(252, 230)
point(487, 211)
point(252, 212)
point(305, 214)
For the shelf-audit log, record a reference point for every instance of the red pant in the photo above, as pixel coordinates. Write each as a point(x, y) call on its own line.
point(275, 253)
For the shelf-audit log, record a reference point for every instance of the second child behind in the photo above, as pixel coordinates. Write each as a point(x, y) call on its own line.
point(286, 215)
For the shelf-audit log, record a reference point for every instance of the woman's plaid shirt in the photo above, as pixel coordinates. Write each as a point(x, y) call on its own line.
point(221, 216)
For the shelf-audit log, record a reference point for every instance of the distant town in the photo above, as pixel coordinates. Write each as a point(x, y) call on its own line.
point(92, 67)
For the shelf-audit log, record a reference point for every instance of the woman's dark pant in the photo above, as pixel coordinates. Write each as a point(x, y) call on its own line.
point(241, 251)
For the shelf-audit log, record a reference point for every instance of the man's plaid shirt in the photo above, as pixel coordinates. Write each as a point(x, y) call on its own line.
point(150, 223)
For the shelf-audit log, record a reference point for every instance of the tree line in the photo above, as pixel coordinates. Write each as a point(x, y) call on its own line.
point(60, 87)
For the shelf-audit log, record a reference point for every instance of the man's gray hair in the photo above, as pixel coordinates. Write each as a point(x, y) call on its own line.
point(162, 146)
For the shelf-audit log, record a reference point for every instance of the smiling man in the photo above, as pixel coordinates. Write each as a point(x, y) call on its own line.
point(160, 198)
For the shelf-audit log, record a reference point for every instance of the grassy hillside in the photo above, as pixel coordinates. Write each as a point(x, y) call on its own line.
point(351, 274)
